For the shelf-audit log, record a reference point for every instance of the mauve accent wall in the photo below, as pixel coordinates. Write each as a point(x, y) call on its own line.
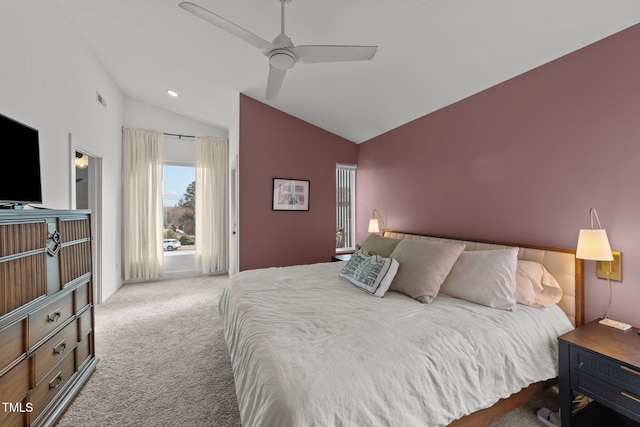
point(523, 162)
point(274, 144)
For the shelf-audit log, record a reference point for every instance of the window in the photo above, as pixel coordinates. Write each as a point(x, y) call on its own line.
point(179, 237)
point(345, 207)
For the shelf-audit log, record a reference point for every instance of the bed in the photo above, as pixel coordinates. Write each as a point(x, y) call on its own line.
point(309, 349)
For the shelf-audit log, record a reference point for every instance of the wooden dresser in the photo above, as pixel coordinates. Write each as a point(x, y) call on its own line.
point(47, 349)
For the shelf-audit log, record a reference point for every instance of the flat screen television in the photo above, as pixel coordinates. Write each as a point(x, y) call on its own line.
point(20, 151)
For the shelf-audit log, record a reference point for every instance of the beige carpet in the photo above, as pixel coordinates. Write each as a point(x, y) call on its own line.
point(163, 362)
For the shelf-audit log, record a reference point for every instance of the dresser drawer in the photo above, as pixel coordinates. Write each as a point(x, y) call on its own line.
point(83, 351)
point(608, 370)
point(82, 296)
point(11, 344)
point(48, 318)
point(617, 398)
point(17, 418)
point(86, 323)
point(54, 350)
point(14, 385)
point(51, 385)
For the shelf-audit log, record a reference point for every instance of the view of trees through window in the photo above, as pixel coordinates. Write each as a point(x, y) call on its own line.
point(179, 208)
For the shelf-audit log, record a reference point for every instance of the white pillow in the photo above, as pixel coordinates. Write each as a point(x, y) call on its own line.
point(484, 277)
point(535, 286)
point(371, 273)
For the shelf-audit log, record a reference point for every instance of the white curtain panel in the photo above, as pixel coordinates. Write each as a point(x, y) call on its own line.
point(142, 163)
point(212, 241)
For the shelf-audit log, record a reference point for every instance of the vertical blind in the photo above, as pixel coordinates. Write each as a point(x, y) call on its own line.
point(345, 206)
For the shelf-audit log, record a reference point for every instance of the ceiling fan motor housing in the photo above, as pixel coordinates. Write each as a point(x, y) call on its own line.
point(282, 59)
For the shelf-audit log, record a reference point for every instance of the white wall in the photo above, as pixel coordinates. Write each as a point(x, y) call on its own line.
point(48, 80)
point(139, 114)
point(234, 181)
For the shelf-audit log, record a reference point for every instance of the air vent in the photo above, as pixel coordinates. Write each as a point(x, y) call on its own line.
point(101, 99)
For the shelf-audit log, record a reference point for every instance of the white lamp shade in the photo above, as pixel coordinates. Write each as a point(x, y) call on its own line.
point(374, 227)
point(594, 245)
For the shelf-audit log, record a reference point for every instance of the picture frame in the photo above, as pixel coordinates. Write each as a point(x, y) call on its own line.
point(290, 194)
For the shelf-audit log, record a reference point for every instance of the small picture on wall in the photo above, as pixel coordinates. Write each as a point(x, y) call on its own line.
point(290, 194)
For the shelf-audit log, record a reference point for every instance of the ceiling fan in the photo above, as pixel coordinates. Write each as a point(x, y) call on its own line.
point(282, 53)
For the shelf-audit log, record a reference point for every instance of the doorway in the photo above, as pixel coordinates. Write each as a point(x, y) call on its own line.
point(86, 193)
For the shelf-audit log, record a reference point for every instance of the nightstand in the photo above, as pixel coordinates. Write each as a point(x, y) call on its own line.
point(341, 257)
point(603, 364)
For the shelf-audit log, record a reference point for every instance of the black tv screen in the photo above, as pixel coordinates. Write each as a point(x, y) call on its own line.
point(21, 163)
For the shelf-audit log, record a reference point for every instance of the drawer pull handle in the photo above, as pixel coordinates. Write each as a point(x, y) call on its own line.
point(630, 396)
point(633, 371)
point(54, 383)
point(54, 316)
point(60, 348)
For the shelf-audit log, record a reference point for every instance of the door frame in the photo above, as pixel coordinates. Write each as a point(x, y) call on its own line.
point(77, 143)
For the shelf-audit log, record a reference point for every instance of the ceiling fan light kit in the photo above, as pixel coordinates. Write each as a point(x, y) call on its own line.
point(282, 59)
point(282, 53)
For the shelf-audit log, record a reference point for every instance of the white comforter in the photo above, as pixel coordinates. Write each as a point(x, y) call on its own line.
point(309, 349)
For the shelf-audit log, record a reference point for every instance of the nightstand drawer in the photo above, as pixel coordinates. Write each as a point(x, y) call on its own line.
point(617, 398)
point(607, 370)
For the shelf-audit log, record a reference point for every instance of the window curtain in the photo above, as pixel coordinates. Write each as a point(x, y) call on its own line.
point(142, 162)
point(212, 171)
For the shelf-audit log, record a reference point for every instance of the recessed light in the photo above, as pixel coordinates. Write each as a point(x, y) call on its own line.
point(172, 93)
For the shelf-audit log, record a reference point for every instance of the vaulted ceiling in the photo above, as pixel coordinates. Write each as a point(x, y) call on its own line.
point(431, 53)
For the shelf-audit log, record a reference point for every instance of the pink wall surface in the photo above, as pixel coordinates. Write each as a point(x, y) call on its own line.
point(523, 162)
point(276, 145)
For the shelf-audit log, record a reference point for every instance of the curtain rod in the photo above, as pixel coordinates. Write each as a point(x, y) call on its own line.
point(173, 134)
point(179, 136)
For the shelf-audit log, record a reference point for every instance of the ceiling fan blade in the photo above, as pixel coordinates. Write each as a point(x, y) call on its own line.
point(275, 82)
point(228, 26)
point(310, 54)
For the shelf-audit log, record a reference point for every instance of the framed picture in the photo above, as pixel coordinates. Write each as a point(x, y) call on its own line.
point(290, 194)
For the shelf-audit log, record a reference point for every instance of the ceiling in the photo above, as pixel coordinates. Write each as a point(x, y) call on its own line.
point(431, 53)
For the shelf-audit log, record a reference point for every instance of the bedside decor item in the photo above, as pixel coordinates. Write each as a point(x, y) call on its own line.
point(593, 244)
point(290, 194)
point(374, 225)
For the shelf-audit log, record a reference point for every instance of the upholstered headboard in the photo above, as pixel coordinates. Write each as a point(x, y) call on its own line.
point(561, 263)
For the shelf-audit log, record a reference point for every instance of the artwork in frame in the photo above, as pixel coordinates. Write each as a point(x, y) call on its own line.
point(290, 194)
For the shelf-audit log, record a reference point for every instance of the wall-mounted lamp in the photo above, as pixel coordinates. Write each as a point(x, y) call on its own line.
point(82, 160)
point(593, 244)
point(374, 225)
